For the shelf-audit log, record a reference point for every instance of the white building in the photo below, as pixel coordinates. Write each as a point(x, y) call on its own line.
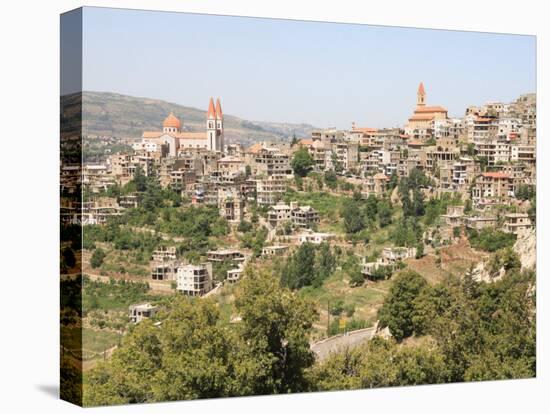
point(140, 311)
point(194, 280)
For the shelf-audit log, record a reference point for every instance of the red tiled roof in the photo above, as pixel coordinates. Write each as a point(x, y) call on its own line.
point(171, 122)
point(306, 142)
point(211, 111)
point(219, 113)
point(421, 90)
point(254, 149)
point(366, 130)
point(180, 135)
point(497, 175)
point(421, 117)
point(430, 109)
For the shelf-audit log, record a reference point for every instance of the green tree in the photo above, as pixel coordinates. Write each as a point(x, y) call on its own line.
point(276, 325)
point(398, 310)
point(301, 162)
point(97, 258)
point(352, 214)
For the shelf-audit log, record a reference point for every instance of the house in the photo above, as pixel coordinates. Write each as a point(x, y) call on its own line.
point(163, 271)
point(164, 254)
point(391, 255)
point(231, 204)
point(496, 185)
point(304, 217)
point(269, 190)
point(225, 255)
point(280, 213)
point(299, 216)
point(314, 237)
point(234, 275)
point(454, 215)
point(140, 311)
point(276, 250)
point(479, 222)
point(516, 223)
point(194, 280)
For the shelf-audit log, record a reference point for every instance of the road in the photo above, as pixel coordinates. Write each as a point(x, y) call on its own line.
point(339, 343)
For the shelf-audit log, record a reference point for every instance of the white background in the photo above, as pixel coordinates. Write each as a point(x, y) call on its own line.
point(29, 141)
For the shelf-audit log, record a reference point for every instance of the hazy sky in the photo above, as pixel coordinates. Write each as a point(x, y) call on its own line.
point(325, 74)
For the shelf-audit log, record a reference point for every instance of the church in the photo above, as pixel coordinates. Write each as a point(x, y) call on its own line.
point(177, 139)
point(423, 115)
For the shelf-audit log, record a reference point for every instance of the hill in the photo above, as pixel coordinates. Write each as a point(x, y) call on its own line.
point(122, 116)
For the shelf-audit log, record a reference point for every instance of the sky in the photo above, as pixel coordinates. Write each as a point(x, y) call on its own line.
point(324, 74)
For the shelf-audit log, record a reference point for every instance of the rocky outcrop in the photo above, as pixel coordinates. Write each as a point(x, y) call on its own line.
point(526, 248)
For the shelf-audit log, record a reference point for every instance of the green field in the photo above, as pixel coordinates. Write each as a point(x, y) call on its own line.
point(93, 342)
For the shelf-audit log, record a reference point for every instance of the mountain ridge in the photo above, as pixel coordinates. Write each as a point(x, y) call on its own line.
point(124, 116)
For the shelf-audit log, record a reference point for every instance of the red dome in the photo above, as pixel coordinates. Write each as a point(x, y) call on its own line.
point(171, 122)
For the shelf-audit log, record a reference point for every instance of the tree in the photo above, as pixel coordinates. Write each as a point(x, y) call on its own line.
point(384, 213)
point(300, 269)
point(97, 258)
point(353, 216)
point(276, 326)
point(68, 257)
point(331, 179)
point(398, 310)
point(301, 162)
point(294, 140)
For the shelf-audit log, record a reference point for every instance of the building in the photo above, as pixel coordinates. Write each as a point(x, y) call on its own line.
point(267, 160)
point(234, 275)
point(299, 216)
point(314, 237)
point(276, 250)
point(492, 185)
point(270, 189)
point(304, 217)
point(516, 223)
point(141, 311)
point(230, 204)
point(173, 135)
point(479, 222)
point(420, 125)
point(164, 254)
point(454, 215)
point(225, 255)
point(392, 255)
point(194, 280)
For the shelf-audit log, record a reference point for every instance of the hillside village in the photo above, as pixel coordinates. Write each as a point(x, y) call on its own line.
point(335, 217)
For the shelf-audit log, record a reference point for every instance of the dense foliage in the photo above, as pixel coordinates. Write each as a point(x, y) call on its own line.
point(301, 162)
point(192, 355)
point(309, 265)
point(490, 239)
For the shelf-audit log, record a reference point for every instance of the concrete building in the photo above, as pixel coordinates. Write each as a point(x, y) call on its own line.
point(275, 250)
point(194, 280)
point(494, 185)
point(270, 189)
point(231, 204)
point(225, 255)
point(516, 223)
point(141, 311)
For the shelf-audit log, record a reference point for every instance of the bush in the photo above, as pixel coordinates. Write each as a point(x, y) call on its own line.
point(97, 258)
point(490, 239)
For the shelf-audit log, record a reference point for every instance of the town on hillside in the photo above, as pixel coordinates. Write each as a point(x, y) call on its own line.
point(177, 222)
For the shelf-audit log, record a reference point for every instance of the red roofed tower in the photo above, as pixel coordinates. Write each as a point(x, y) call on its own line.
point(421, 95)
point(214, 126)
